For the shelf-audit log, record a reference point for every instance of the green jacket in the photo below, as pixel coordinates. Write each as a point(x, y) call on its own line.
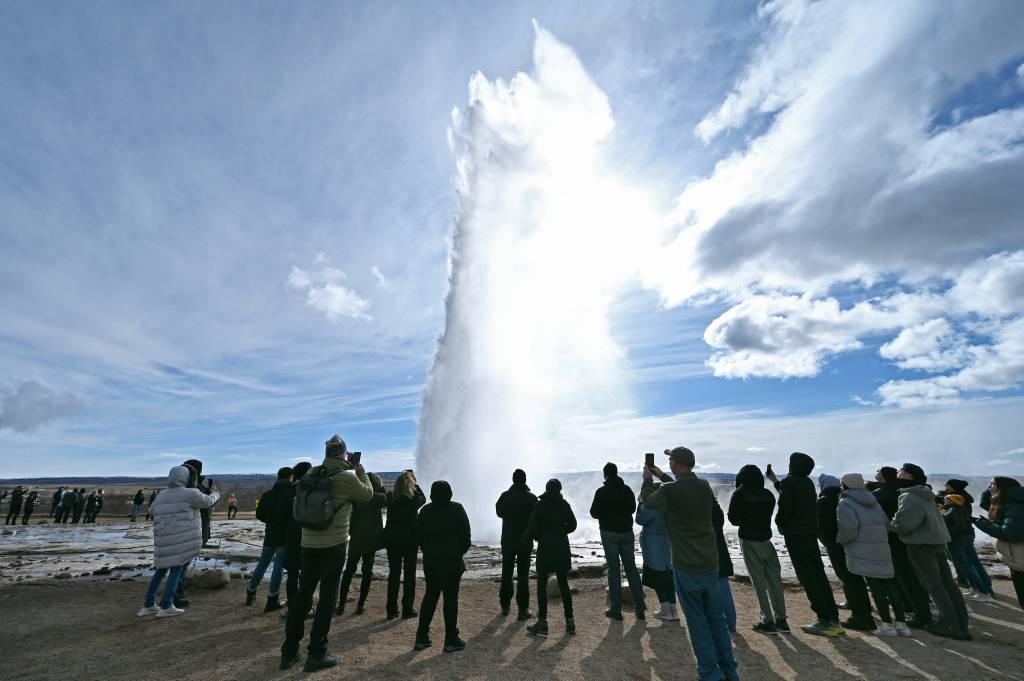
point(687, 504)
point(918, 520)
point(348, 487)
point(1011, 528)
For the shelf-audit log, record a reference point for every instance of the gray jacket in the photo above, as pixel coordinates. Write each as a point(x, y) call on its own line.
point(918, 519)
point(864, 533)
point(177, 530)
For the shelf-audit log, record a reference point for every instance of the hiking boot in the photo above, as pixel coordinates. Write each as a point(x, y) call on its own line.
point(860, 623)
point(273, 603)
point(454, 645)
point(506, 608)
point(147, 610)
point(902, 629)
point(422, 642)
point(524, 615)
point(765, 627)
point(613, 614)
point(287, 661)
point(409, 614)
point(885, 629)
point(782, 626)
point(538, 628)
point(250, 596)
point(570, 626)
point(315, 664)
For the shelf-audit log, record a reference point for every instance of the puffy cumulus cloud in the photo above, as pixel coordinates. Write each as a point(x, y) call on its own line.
point(326, 293)
point(846, 168)
point(32, 404)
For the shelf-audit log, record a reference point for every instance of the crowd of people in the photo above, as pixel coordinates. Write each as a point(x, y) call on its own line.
point(889, 540)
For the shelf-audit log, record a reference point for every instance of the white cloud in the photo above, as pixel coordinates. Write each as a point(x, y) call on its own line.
point(324, 292)
point(754, 449)
point(932, 346)
point(382, 281)
point(32, 404)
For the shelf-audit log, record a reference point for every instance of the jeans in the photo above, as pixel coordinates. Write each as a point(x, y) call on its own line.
point(700, 594)
point(562, 576)
point(401, 569)
point(440, 583)
point(806, 559)
point(350, 572)
point(929, 560)
point(854, 588)
point(515, 558)
point(323, 567)
point(270, 553)
point(174, 575)
point(135, 512)
point(965, 557)
point(232, 512)
point(728, 605)
point(619, 546)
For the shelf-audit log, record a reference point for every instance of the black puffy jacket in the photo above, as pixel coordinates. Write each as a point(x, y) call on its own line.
point(614, 506)
point(551, 523)
point(798, 500)
point(514, 507)
point(443, 533)
point(275, 510)
point(828, 520)
point(400, 529)
point(366, 526)
point(751, 506)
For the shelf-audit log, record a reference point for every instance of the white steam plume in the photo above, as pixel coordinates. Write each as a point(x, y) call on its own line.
point(544, 239)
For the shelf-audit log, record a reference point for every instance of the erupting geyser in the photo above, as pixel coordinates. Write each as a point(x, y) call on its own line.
point(543, 241)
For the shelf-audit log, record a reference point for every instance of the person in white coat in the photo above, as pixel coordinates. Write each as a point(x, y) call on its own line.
point(177, 538)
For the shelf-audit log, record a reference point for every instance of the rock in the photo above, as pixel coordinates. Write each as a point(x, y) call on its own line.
point(627, 594)
point(62, 575)
point(236, 575)
point(553, 591)
point(210, 579)
point(102, 571)
point(589, 571)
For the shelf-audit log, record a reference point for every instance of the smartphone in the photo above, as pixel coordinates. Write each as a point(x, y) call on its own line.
point(649, 459)
point(354, 457)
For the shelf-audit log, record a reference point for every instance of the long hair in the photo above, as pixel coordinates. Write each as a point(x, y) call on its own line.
point(405, 485)
point(1002, 485)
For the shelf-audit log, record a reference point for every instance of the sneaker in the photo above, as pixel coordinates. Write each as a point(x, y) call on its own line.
point(885, 629)
point(147, 610)
point(525, 615)
point(860, 623)
point(315, 664)
point(169, 612)
point(782, 626)
point(570, 626)
point(765, 627)
point(614, 614)
point(287, 661)
point(843, 606)
point(454, 645)
point(409, 614)
point(422, 643)
point(903, 630)
point(985, 598)
point(835, 629)
point(822, 628)
point(392, 615)
point(667, 613)
point(538, 628)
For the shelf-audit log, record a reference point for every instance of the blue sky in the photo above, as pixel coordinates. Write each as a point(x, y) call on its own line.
point(225, 227)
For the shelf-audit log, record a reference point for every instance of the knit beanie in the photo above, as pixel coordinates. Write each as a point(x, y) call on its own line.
point(519, 477)
point(916, 473)
point(554, 486)
point(853, 481)
point(959, 486)
point(955, 499)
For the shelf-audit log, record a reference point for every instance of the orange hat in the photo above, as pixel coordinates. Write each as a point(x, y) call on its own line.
point(955, 499)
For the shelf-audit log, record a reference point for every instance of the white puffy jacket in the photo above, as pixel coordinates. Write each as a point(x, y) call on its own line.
point(177, 529)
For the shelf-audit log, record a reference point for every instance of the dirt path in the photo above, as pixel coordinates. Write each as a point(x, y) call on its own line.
point(88, 630)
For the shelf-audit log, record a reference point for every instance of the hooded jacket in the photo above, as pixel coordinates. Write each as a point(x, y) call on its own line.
point(400, 530)
point(177, 528)
point(514, 507)
point(654, 542)
point(798, 513)
point(443, 533)
point(613, 507)
point(687, 504)
point(751, 506)
point(349, 486)
point(366, 534)
point(863, 530)
point(725, 568)
point(958, 522)
point(275, 511)
point(828, 527)
point(1011, 527)
point(551, 523)
point(888, 495)
point(918, 520)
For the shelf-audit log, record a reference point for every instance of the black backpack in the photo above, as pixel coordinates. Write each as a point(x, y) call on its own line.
point(314, 507)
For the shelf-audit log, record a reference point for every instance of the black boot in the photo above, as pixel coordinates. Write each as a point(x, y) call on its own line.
point(570, 626)
point(273, 603)
point(288, 660)
point(454, 644)
point(315, 664)
point(250, 596)
point(524, 614)
point(360, 608)
point(506, 608)
point(538, 628)
point(422, 640)
point(409, 614)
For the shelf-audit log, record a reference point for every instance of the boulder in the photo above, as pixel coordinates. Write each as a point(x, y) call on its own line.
point(589, 571)
point(62, 575)
point(102, 571)
point(627, 594)
point(209, 579)
point(553, 591)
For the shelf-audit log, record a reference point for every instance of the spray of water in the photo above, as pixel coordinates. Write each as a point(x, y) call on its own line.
point(544, 239)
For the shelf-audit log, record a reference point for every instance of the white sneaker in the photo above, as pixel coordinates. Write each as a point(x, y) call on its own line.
point(169, 612)
point(151, 610)
point(885, 629)
point(971, 593)
point(903, 630)
point(667, 613)
point(984, 598)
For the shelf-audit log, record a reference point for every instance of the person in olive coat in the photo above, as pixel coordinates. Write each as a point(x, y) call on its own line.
point(514, 507)
point(551, 523)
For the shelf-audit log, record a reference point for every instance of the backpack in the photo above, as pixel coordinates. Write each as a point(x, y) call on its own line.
point(314, 507)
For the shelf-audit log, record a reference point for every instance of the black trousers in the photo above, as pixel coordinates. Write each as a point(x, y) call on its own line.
point(806, 558)
point(24, 518)
point(350, 570)
point(441, 584)
point(886, 593)
point(323, 567)
point(1018, 585)
point(515, 558)
point(12, 515)
point(64, 515)
point(915, 598)
point(854, 588)
point(542, 593)
point(401, 569)
point(53, 509)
